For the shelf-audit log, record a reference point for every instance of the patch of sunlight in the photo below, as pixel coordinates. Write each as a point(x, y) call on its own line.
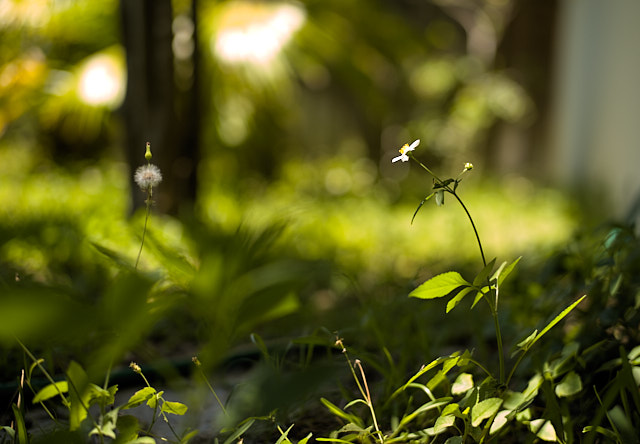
point(250, 32)
point(101, 79)
point(365, 233)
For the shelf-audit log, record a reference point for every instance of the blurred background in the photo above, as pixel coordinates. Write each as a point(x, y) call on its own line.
point(266, 114)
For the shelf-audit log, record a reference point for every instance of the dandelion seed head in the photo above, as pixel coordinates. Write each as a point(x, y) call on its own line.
point(147, 176)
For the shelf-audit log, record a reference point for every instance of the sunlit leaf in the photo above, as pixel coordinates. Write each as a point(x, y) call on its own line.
point(499, 421)
point(484, 273)
point(443, 423)
point(543, 430)
point(439, 286)
point(458, 298)
point(484, 409)
point(570, 385)
point(463, 383)
point(139, 397)
point(50, 391)
point(175, 408)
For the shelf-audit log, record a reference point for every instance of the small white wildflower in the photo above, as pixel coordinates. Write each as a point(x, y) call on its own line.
point(404, 150)
point(147, 176)
point(468, 166)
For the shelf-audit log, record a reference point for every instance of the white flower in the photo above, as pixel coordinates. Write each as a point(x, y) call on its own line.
point(147, 176)
point(404, 150)
point(468, 166)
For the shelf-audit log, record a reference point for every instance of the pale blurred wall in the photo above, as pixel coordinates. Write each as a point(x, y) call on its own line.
point(595, 138)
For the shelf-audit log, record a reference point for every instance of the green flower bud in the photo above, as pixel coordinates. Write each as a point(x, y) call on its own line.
point(147, 154)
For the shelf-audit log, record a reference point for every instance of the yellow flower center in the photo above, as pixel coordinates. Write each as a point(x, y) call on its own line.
point(404, 148)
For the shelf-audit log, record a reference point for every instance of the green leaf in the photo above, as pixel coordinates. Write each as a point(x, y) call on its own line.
point(484, 409)
point(457, 298)
point(186, 438)
point(175, 408)
point(240, 431)
point(504, 271)
point(484, 273)
point(439, 286)
point(500, 420)
point(78, 395)
point(340, 413)
point(443, 423)
point(139, 397)
point(454, 440)
point(570, 385)
point(528, 341)
point(557, 319)
point(21, 427)
point(50, 391)
point(543, 430)
point(462, 384)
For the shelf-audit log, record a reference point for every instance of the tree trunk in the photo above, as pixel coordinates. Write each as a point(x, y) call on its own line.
point(149, 108)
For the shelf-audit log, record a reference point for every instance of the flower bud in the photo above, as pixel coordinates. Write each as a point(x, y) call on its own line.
point(147, 154)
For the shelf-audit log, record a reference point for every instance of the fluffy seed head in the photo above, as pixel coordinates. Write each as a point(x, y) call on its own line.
point(147, 176)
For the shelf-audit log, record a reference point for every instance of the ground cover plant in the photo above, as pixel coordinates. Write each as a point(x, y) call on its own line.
point(565, 380)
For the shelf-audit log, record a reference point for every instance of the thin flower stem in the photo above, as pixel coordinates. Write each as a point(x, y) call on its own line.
point(493, 308)
point(473, 225)
point(144, 230)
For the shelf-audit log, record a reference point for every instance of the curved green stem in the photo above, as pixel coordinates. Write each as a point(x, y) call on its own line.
point(493, 307)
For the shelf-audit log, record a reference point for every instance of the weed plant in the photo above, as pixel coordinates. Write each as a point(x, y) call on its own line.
point(510, 374)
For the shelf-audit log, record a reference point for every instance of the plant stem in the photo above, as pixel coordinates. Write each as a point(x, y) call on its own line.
point(144, 230)
point(493, 307)
point(473, 225)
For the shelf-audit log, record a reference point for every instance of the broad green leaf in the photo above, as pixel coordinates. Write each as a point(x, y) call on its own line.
point(543, 430)
point(175, 408)
point(634, 355)
point(500, 420)
point(443, 423)
point(484, 273)
point(78, 394)
point(484, 409)
point(571, 384)
point(462, 384)
point(107, 427)
point(142, 440)
point(50, 391)
point(439, 286)
point(454, 440)
point(458, 297)
point(127, 428)
point(139, 397)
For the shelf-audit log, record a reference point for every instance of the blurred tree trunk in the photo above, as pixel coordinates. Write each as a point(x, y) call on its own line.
point(151, 101)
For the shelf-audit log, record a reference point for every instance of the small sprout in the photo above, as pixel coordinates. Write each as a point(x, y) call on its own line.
point(404, 150)
point(148, 176)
